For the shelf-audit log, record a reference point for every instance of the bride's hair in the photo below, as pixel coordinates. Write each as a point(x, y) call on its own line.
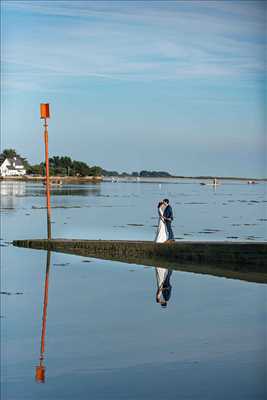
point(160, 204)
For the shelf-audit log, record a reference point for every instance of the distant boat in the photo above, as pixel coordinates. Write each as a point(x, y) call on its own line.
point(214, 183)
point(54, 182)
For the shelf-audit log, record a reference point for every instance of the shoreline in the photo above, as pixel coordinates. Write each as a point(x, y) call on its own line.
point(64, 179)
point(169, 178)
point(221, 178)
point(98, 179)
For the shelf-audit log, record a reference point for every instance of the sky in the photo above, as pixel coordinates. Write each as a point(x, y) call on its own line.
point(178, 86)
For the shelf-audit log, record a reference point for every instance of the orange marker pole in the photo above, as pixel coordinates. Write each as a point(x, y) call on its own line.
point(45, 113)
point(48, 203)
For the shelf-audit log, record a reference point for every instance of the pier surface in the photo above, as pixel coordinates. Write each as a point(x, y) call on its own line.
point(241, 260)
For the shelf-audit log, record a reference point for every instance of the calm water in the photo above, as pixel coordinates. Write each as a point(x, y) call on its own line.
point(107, 337)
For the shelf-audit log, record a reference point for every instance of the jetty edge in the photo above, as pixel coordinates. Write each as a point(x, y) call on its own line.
point(238, 260)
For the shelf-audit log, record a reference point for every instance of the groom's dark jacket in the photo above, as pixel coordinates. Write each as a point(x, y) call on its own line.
point(168, 212)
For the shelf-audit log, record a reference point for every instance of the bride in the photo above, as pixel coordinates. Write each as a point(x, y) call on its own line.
point(161, 235)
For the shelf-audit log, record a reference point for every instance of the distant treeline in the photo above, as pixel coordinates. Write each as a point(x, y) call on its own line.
point(58, 166)
point(65, 166)
point(144, 173)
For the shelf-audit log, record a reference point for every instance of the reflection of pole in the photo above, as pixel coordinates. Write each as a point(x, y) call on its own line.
point(48, 204)
point(40, 369)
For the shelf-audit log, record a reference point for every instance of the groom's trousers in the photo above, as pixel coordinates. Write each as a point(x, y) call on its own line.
point(169, 229)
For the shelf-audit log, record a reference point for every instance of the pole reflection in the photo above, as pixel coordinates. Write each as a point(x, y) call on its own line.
point(40, 369)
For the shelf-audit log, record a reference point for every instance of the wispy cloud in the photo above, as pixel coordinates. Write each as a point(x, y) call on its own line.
point(133, 40)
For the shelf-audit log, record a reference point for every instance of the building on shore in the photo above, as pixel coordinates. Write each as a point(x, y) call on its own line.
point(12, 167)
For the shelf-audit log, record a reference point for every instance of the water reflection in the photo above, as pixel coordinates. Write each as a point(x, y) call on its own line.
point(10, 190)
point(40, 369)
point(164, 287)
point(69, 191)
point(25, 189)
point(163, 295)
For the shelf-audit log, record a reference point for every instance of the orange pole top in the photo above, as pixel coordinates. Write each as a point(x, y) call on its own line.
point(44, 110)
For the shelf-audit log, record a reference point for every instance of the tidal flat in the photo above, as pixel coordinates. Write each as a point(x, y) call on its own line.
point(106, 336)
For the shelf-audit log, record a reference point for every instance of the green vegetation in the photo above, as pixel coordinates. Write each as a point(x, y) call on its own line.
point(143, 173)
point(9, 153)
point(161, 174)
point(65, 166)
point(58, 166)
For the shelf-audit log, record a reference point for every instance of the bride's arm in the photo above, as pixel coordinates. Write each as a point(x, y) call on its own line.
point(161, 214)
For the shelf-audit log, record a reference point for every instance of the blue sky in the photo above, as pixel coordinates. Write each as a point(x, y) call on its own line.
point(174, 85)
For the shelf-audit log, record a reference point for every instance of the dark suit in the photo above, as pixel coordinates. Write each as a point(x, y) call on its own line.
point(167, 287)
point(169, 214)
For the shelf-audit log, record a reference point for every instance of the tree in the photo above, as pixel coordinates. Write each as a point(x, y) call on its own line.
point(36, 169)
point(66, 162)
point(80, 168)
point(10, 153)
point(162, 174)
point(95, 171)
point(109, 173)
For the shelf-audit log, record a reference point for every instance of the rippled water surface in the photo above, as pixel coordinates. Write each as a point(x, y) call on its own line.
point(106, 336)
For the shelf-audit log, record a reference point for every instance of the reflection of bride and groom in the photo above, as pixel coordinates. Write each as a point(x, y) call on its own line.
point(164, 235)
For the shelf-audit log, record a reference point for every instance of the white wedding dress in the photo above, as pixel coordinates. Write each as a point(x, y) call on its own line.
point(161, 235)
point(161, 274)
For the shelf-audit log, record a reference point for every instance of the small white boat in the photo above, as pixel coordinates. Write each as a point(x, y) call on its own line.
point(214, 183)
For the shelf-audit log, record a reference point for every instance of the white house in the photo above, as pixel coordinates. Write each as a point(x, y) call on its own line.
point(12, 167)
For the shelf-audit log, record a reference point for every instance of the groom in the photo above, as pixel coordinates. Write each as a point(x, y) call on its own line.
point(168, 218)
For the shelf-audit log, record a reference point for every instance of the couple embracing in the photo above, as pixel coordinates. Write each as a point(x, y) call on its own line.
point(164, 231)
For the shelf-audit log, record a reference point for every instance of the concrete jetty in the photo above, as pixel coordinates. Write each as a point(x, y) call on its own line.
point(240, 260)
